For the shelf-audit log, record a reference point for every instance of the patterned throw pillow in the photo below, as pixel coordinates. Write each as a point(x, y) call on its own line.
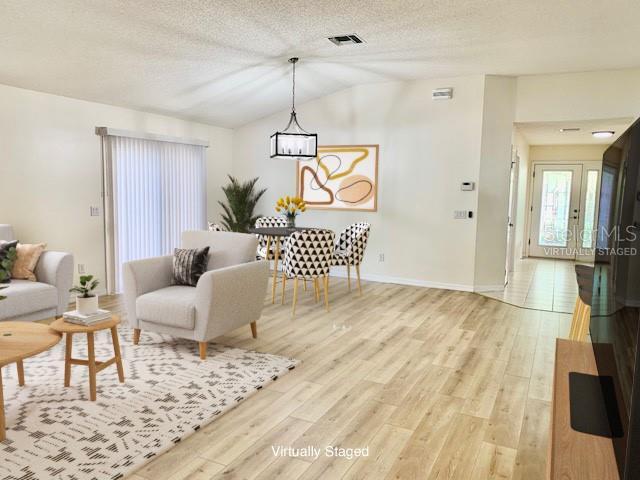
point(189, 265)
point(8, 256)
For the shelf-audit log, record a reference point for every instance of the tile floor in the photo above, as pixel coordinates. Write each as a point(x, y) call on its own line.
point(541, 284)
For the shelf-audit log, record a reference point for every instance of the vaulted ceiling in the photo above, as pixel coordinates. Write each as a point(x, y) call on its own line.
point(225, 62)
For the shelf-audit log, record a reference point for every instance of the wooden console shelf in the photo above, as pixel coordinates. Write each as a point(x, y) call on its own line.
point(574, 455)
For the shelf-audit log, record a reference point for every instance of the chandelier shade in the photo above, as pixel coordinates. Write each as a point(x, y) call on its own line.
point(294, 142)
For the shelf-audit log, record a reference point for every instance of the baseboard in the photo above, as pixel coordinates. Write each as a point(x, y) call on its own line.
point(488, 288)
point(402, 281)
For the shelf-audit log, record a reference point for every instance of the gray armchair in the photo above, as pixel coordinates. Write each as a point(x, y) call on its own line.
point(230, 294)
point(48, 297)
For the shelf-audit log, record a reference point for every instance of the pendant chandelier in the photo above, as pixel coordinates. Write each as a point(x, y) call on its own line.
point(294, 142)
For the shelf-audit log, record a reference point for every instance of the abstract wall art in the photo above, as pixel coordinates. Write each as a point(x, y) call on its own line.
point(341, 177)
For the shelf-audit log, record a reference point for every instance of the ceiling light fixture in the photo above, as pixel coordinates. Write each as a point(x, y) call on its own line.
point(294, 142)
point(603, 133)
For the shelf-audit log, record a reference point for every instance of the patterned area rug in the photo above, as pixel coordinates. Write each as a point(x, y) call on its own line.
point(57, 433)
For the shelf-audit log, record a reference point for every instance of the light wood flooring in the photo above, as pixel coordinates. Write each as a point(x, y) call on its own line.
point(439, 384)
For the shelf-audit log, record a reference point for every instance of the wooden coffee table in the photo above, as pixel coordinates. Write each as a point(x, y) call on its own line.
point(94, 366)
point(19, 340)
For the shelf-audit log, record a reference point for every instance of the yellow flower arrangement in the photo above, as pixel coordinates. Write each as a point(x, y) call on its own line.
point(291, 207)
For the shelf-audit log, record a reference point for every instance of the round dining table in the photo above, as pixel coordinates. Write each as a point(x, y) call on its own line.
point(276, 236)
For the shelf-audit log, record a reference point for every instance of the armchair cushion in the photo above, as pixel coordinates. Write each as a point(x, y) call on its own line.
point(173, 306)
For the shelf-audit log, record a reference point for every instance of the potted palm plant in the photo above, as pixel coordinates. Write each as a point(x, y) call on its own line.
point(242, 198)
point(86, 300)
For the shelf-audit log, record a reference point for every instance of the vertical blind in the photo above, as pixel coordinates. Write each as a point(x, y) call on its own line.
point(158, 190)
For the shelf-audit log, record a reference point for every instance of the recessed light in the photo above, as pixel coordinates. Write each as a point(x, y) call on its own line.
point(603, 133)
point(570, 129)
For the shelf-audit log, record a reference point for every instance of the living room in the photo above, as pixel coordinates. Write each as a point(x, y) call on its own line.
point(350, 332)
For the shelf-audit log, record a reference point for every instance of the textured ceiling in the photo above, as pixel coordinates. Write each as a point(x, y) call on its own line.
point(224, 62)
point(548, 133)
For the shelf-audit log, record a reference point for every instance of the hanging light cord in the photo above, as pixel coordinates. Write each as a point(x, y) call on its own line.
point(293, 96)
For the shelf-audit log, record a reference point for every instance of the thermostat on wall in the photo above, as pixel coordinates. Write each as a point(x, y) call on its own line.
point(467, 186)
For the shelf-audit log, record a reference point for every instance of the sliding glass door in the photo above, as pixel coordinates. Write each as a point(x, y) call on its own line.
point(155, 190)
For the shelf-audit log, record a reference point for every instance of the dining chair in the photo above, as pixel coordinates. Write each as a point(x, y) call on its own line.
point(350, 249)
point(215, 227)
point(308, 255)
point(264, 241)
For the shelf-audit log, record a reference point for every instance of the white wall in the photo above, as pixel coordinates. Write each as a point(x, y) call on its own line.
point(579, 96)
point(521, 225)
point(493, 182)
point(567, 153)
point(50, 167)
point(427, 148)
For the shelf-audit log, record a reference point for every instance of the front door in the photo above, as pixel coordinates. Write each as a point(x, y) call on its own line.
point(555, 211)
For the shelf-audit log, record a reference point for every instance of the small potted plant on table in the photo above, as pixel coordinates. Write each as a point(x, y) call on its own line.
point(86, 300)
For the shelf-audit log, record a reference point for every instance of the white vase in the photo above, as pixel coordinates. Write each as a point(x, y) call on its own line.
point(87, 306)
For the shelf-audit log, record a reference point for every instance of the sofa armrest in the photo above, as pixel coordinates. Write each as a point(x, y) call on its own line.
point(56, 268)
point(230, 297)
point(144, 276)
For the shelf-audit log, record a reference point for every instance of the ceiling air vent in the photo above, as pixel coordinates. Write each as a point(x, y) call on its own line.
point(441, 93)
point(346, 39)
point(570, 129)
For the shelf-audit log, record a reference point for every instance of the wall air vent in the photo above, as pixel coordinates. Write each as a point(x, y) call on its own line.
point(442, 94)
point(346, 39)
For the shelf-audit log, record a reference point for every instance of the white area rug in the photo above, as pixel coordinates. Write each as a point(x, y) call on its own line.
point(57, 433)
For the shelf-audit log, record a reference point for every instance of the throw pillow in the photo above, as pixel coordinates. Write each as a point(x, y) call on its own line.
point(189, 265)
point(25, 264)
point(7, 258)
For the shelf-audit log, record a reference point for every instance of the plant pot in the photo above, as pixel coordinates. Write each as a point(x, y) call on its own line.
point(87, 306)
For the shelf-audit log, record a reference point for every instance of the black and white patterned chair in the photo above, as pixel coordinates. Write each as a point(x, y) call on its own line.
point(269, 222)
point(214, 227)
point(350, 249)
point(308, 256)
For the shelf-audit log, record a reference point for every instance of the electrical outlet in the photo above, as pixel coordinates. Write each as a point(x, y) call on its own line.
point(381, 257)
point(94, 211)
point(81, 269)
point(460, 214)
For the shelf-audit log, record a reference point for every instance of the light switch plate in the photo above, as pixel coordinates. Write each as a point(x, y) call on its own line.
point(95, 211)
point(460, 214)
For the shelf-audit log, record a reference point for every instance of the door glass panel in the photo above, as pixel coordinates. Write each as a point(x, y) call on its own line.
point(590, 209)
point(554, 208)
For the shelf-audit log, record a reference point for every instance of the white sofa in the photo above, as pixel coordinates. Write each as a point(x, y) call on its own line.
point(46, 298)
point(229, 295)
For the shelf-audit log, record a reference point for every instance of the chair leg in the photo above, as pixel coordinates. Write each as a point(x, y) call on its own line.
point(358, 274)
point(136, 336)
point(295, 295)
point(305, 284)
point(316, 290)
point(349, 277)
point(202, 347)
point(326, 292)
point(284, 285)
point(254, 330)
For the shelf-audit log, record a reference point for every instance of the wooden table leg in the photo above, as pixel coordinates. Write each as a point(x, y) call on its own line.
point(20, 367)
point(67, 359)
point(116, 352)
point(276, 257)
point(92, 366)
point(3, 434)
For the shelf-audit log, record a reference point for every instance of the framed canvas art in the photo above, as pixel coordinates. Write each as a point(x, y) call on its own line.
point(341, 177)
